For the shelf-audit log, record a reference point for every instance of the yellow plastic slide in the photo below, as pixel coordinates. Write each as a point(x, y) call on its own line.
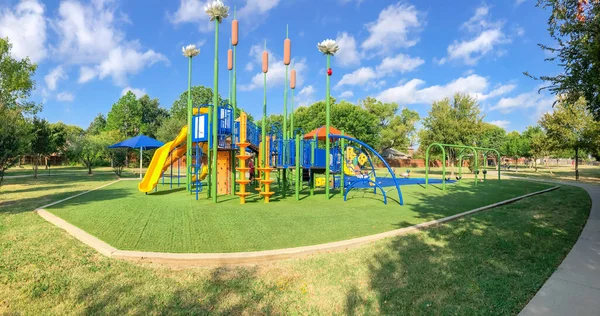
point(160, 161)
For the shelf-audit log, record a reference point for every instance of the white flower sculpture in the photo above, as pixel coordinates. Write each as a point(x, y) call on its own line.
point(217, 10)
point(190, 51)
point(328, 47)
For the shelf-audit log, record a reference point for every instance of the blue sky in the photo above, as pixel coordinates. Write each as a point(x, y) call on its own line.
point(410, 52)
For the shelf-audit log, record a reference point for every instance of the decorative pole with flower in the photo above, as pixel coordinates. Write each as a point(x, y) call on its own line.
point(231, 157)
point(329, 48)
point(292, 87)
point(234, 42)
point(217, 11)
point(190, 52)
point(287, 53)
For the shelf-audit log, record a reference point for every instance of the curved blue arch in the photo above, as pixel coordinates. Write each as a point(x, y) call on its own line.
point(368, 181)
point(401, 202)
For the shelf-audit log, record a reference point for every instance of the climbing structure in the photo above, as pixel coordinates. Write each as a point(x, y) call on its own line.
point(243, 156)
point(266, 170)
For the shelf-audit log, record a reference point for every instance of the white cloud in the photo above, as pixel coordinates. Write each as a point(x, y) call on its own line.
point(276, 73)
point(192, 11)
point(369, 78)
point(501, 123)
point(413, 92)
point(52, 78)
point(346, 94)
point(488, 36)
point(86, 74)
point(362, 76)
point(65, 97)
point(138, 92)
point(253, 13)
point(249, 66)
point(122, 61)
point(519, 2)
point(394, 28)
point(25, 26)
point(400, 63)
point(470, 51)
point(89, 37)
point(503, 89)
point(306, 96)
point(540, 102)
point(347, 55)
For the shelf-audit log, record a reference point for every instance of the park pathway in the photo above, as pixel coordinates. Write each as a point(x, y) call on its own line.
point(574, 288)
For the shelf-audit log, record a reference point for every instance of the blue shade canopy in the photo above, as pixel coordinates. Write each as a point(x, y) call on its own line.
point(140, 141)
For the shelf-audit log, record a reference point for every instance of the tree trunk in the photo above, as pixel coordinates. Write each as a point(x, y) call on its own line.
point(577, 163)
point(35, 166)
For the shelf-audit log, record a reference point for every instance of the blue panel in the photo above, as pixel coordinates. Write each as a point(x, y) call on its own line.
point(200, 128)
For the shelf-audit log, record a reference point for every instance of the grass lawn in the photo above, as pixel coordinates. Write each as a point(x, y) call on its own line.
point(488, 263)
point(27, 170)
point(589, 174)
point(173, 221)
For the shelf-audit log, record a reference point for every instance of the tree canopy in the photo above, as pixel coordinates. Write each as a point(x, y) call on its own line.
point(200, 95)
point(453, 121)
point(16, 80)
point(125, 116)
point(574, 26)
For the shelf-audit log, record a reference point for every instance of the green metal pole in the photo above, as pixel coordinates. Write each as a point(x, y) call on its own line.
point(285, 135)
point(327, 125)
point(343, 150)
point(265, 155)
point(298, 177)
point(312, 164)
point(215, 113)
point(234, 102)
point(232, 155)
point(188, 158)
point(292, 114)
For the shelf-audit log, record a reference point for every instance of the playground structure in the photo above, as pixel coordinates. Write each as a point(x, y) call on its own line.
point(461, 154)
point(218, 143)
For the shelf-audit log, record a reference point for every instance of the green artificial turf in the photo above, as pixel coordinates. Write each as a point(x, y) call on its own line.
point(173, 221)
point(488, 263)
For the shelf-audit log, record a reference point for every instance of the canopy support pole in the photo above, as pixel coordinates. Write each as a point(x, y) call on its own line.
point(141, 158)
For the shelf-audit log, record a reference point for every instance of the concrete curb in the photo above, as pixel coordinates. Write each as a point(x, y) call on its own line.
point(236, 258)
point(574, 288)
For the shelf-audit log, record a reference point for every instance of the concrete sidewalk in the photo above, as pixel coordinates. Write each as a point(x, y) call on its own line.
point(574, 288)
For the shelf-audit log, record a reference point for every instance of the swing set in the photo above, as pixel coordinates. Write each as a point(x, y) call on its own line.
point(461, 155)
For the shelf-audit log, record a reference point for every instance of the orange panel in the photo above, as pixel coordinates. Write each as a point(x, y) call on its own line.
point(224, 172)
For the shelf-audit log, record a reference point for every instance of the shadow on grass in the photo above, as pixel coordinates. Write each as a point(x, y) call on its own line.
point(29, 204)
point(487, 263)
point(225, 291)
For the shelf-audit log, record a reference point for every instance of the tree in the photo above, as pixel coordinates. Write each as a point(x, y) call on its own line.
point(515, 146)
point(396, 130)
point(572, 126)
point(170, 128)
point(493, 136)
point(457, 121)
point(537, 144)
point(351, 118)
point(88, 149)
point(16, 81)
point(14, 138)
point(41, 142)
point(401, 131)
point(125, 116)
point(384, 112)
point(152, 115)
point(98, 125)
point(574, 25)
point(200, 95)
